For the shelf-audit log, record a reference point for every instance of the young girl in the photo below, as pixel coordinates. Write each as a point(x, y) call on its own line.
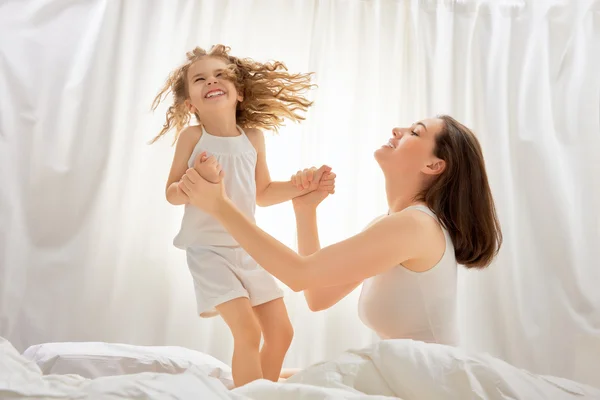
point(232, 99)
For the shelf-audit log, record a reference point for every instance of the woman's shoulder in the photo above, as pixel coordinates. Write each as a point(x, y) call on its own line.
point(374, 221)
point(419, 219)
point(415, 233)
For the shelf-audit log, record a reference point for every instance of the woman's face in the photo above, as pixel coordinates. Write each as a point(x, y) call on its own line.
point(410, 150)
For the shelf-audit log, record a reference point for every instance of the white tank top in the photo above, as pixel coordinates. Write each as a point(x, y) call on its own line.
point(403, 304)
point(237, 157)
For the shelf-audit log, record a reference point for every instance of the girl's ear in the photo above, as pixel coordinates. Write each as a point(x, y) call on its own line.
point(190, 107)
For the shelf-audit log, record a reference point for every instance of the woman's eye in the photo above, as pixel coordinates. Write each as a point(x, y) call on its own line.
point(414, 133)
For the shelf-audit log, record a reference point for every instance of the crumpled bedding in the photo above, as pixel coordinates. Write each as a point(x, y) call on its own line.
point(98, 359)
point(397, 369)
point(409, 369)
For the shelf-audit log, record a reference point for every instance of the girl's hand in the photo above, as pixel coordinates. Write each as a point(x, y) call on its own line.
point(309, 178)
point(312, 199)
point(205, 195)
point(208, 168)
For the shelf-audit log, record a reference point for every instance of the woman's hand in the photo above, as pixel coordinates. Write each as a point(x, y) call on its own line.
point(203, 194)
point(323, 181)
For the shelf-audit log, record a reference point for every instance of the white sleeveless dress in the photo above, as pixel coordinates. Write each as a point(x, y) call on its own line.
point(221, 269)
point(402, 304)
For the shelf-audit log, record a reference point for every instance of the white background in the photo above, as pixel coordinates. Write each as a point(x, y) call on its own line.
point(85, 231)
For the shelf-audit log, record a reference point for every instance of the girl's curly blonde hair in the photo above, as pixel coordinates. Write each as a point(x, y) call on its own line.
point(270, 93)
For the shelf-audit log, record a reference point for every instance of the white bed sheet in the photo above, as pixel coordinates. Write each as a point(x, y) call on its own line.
point(400, 369)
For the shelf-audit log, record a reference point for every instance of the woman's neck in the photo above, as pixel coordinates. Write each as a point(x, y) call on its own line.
point(399, 197)
point(220, 125)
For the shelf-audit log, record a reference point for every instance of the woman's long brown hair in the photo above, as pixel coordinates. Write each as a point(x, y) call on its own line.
point(461, 196)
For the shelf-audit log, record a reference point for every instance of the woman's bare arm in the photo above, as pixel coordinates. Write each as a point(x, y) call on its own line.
point(318, 299)
point(382, 246)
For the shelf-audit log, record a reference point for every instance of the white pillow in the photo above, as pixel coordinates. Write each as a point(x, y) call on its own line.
point(96, 359)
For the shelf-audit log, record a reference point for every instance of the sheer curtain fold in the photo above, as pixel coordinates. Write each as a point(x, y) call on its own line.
point(85, 232)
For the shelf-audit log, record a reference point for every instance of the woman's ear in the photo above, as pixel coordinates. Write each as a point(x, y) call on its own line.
point(435, 167)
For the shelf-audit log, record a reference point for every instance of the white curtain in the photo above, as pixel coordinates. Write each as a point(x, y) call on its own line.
point(85, 231)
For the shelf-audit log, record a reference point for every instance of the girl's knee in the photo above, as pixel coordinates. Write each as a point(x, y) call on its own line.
point(282, 337)
point(287, 334)
point(247, 334)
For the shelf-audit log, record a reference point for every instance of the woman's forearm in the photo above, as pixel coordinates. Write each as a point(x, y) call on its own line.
point(278, 259)
point(319, 298)
point(308, 233)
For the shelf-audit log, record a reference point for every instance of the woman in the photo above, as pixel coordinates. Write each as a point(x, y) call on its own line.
point(441, 213)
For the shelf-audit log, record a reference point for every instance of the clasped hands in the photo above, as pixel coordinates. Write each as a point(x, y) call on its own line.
point(203, 184)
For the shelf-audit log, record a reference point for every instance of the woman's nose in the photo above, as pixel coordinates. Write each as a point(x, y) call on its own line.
point(397, 132)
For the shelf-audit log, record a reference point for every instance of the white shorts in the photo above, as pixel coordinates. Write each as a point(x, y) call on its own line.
point(222, 274)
